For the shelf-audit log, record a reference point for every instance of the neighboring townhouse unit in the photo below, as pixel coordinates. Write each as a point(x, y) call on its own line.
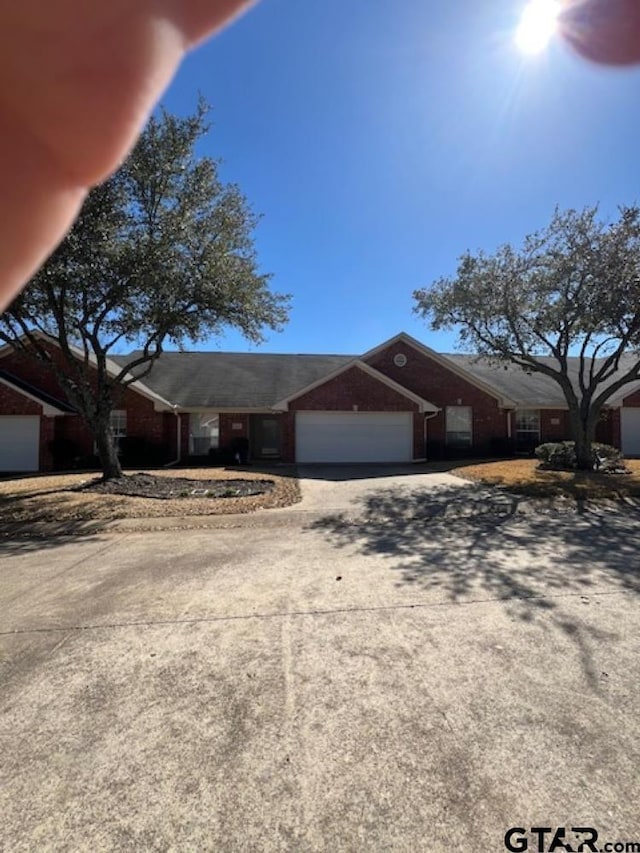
point(399, 402)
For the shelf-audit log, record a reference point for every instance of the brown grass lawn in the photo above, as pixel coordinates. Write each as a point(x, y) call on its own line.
point(523, 477)
point(50, 497)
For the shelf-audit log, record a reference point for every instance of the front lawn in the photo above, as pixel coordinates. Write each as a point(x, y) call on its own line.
point(69, 497)
point(522, 476)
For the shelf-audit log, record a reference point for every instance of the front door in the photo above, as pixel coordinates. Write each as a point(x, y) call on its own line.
point(265, 438)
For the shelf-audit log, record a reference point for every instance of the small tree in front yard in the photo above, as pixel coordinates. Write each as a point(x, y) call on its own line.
point(161, 252)
point(571, 289)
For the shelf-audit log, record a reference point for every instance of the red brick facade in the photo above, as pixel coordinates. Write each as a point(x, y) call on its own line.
point(14, 403)
point(143, 421)
point(609, 429)
point(352, 390)
point(554, 425)
point(443, 387)
point(233, 426)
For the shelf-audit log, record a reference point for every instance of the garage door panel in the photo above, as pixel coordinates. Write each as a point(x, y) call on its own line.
point(19, 443)
point(354, 437)
point(630, 429)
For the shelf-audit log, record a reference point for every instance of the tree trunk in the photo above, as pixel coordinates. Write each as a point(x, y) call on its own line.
point(584, 453)
point(107, 451)
point(583, 433)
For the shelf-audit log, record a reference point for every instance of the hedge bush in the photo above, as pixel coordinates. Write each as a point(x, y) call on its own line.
point(561, 456)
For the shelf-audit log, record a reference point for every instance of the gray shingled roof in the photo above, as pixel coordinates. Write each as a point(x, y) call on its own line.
point(224, 380)
point(230, 379)
point(529, 389)
point(511, 381)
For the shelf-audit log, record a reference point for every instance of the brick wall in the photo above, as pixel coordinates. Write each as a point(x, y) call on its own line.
point(554, 425)
point(352, 388)
point(73, 428)
point(14, 403)
point(227, 433)
point(142, 419)
point(288, 434)
point(609, 431)
point(36, 373)
point(185, 448)
point(47, 434)
point(442, 387)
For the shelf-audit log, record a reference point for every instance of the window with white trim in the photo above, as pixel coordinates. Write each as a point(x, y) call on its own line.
point(204, 432)
point(459, 421)
point(118, 424)
point(118, 420)
point(527, 429)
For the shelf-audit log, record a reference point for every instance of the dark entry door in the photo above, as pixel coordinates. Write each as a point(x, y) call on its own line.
point(265, 439)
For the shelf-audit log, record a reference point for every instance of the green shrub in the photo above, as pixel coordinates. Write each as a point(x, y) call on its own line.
point(557, 455)
point(561, 456)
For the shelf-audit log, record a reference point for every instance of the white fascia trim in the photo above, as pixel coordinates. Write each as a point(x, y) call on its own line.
point(617, 401)
point(542, 407)
point(562, 407)
point(224, 410)
point(423, 405)
point(505, 402)
point(6, 349)
point(47, 409)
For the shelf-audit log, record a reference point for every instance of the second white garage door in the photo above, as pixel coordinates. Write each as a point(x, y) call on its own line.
point(354, 437)
point(19, 443)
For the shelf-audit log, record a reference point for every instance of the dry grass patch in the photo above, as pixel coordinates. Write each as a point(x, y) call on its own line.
point(523, 477)
point(54, 497)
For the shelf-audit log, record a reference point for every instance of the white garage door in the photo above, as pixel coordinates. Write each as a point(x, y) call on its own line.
point(630, 419)
point(19, 443)
point(354, 437)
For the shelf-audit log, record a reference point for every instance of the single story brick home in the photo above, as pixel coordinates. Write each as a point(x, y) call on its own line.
point(398, 402)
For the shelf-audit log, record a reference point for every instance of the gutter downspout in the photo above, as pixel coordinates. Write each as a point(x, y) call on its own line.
point(178, 440)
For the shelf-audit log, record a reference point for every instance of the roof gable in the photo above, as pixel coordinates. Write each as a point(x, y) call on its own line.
point(50, 405)
point(443, 361)
point(423, 405)
point(112, 367)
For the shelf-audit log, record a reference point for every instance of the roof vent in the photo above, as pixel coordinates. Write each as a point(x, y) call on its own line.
point(400, 359)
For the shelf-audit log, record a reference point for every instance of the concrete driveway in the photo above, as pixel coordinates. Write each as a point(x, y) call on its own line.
point(412, 672)
point(347, 487)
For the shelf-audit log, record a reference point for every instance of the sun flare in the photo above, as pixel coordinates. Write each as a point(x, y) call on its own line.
point(538, 24)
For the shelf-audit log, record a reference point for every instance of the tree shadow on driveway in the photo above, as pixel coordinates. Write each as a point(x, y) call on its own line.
point(23, 539)
point(484, 544)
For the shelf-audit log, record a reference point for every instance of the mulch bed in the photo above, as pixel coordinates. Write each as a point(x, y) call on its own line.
point(170, 488)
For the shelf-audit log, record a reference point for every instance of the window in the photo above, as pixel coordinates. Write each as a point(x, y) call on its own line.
point(119, 424)
point(459, 419)
point(204, 432)
point(527, 429)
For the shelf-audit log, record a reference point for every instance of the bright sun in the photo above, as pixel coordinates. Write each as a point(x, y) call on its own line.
point(537, 25)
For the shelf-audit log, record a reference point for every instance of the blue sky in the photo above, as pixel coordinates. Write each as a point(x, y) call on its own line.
point(380, 140)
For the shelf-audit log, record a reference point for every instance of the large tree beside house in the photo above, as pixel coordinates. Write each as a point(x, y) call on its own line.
point(570, 289)
point(162, 253)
